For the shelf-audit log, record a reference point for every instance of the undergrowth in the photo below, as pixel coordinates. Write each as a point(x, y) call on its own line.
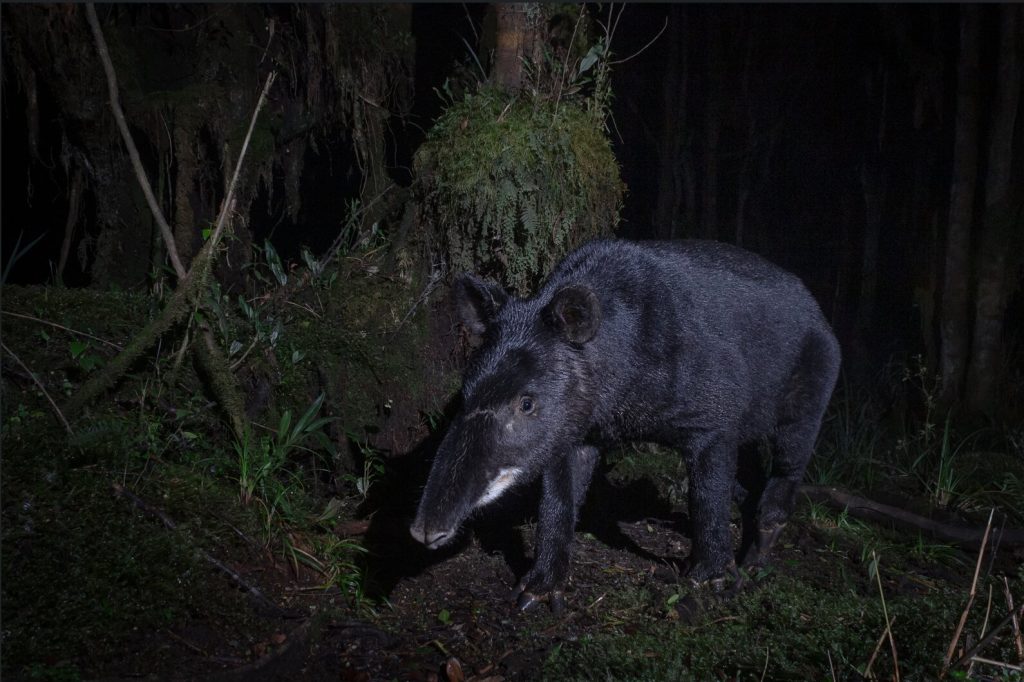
point(85, 573)
point(283, 495)
point(899, 442)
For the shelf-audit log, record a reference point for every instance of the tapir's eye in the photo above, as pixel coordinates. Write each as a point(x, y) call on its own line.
point(527, 405)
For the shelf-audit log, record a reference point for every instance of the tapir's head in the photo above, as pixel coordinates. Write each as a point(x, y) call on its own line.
point(525, 399)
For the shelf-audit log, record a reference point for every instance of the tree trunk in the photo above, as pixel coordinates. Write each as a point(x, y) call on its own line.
point(993, 255)
point(121, 258)
point(185, 228)
point(517, 39)
point(953, 331)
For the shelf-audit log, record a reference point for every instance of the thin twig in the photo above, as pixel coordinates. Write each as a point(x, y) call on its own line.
point(41, 387)
point(238, 363)
point(984, 627)
point(885, 612)
point(1016, 623)
point(336, 244)
point(989, 661)
point(191, 645)
point(614, 26)
point(565, 62)
point(227, 206)
point(878, 647)
point(129, 143)
point(472, 26)
point(831, 666)
point(764, 671)
point(435, 279)
point(642, 49)
point(60, 326)
point(970, 599)
point(304, 307)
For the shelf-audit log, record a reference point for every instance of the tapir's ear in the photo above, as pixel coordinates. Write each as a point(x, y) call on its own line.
point(477, 302)
point(575, 313)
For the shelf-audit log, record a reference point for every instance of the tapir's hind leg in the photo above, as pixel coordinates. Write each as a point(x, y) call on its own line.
point(800, 419)
point(751, 478)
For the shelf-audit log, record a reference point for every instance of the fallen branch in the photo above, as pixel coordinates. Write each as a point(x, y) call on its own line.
point(133, 152)
point(168, 523)
point(966, 536)
point(190, 283)
point(60, 326)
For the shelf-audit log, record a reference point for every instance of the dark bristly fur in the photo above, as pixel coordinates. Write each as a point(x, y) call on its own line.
point(697, 345)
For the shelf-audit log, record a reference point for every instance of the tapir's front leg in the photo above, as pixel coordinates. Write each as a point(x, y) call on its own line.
point(565, 483)
point(712, 470)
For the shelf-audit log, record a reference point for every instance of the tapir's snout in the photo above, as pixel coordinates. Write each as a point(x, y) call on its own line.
point(432, 538)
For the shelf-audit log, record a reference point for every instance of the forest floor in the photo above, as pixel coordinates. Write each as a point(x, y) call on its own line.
point(128, 553)
point(125, 597)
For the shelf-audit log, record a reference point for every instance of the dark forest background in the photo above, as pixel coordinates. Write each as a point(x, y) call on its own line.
point(873, 150)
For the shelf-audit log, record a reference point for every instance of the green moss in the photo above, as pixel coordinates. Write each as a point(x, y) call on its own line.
point(84, 573)
point(512, 184)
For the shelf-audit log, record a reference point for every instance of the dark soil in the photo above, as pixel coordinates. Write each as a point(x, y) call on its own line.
point(449, 615)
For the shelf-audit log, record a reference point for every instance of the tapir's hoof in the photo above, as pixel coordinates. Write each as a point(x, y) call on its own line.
point(766, 539)
point(703, 575)
point(555, 600)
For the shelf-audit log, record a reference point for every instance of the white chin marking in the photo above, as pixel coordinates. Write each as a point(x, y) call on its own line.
point(504, 479)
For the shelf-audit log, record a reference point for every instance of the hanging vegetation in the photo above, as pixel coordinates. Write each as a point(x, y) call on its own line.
point(512, 181)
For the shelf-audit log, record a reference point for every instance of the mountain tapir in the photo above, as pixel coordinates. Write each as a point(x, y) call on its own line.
point(697, 345)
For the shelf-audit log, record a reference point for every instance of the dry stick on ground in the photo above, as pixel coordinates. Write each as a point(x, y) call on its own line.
point(767, 652)
point(41, 387)
point(60, 326)
point(878, 647)
point(966, 536)
point(970, 599)
point(972, 652)
point(190, 283)
point(998, 664)
point(885, 612)
point(984, 626)
point(1018, 642)
point(257, 594)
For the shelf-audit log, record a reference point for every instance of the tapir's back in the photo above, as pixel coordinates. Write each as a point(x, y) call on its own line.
point(705, 282)
point(695, 321)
